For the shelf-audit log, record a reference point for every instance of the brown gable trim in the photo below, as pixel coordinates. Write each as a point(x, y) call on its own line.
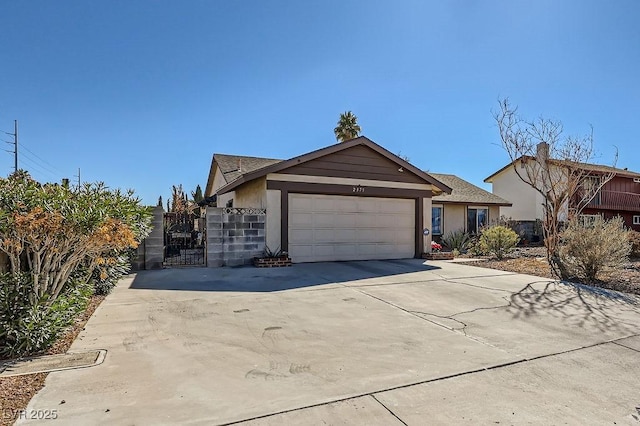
point(471, 203)
point(351, 190)
point(330, 150)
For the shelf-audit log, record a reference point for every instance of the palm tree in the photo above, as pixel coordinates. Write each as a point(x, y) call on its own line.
point(347, 127)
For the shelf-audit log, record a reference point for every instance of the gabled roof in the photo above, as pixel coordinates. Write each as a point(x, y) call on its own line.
point(234, 166)
point(597, 168)
point(465, 192)
point(361, 140)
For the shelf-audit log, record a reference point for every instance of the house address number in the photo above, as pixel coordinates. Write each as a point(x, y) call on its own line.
point(358, 189)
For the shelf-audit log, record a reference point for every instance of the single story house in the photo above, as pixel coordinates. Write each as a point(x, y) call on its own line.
point(467, 207)
point(349, 201)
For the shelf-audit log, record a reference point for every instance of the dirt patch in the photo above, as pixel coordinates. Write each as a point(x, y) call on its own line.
point(532, 261)
point(16, 392)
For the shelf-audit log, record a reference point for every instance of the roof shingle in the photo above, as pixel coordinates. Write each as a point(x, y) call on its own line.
point(234, 166)
point(465, 192)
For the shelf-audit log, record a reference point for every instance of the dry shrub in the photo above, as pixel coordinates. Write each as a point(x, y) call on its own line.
point(634, 239)
point(587, 250)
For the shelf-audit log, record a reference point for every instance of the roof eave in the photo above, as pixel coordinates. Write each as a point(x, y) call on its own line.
point(361, 140)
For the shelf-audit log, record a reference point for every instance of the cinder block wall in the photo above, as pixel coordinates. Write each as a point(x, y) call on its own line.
point(214, 237)
point(243, 236)
point(154, 243)
point(137, 263)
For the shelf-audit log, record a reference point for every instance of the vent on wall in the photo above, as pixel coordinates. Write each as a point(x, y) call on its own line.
point(636, 180)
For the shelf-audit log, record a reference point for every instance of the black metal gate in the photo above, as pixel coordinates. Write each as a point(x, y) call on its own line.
point(184, 239)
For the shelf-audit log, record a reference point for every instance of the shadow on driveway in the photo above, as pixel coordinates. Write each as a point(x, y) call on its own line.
point(577, 305)
point(251, 279)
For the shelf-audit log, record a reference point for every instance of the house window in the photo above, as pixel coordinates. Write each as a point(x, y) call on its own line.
point(588, 219)
point(591, 187)
point(636, 220)
point(477, 218)
point(436, 220)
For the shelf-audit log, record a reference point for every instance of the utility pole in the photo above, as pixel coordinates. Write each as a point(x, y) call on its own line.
point(15, 144)
point(79, 181)
point(15, 139)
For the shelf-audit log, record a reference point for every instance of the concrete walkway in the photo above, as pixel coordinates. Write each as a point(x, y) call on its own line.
point(379, 342)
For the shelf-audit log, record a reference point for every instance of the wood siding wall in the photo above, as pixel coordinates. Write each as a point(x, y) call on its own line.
point(358, 162)
point(622, 184)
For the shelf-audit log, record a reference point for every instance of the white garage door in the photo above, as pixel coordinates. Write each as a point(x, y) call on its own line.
point(329, 227)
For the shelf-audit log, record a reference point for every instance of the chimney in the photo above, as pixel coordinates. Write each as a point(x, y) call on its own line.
point(240, 164)
point(542, 152)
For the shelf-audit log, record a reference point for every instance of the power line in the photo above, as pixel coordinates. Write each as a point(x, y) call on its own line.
point(39, 168)
point(40, 158)
point(43, 166)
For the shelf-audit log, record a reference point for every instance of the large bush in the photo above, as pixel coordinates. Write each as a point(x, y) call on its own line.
point(30, 326)
point(498, 240)
point(586, 250)
point(54, 239)
point(634, 239)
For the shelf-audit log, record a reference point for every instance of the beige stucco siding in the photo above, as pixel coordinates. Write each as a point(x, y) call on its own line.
point(252, 194)
point(218, 182)
point(527, 202)
point(454, 218)
point(494, 214)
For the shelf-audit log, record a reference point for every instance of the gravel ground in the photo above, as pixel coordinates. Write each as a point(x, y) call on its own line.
point(532, 261)
point(17, 391)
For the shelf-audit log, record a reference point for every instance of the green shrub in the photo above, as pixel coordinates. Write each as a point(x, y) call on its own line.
point(476, 247)
point(53, 238)
point(108, 272)
point(457, 240)
point(30, 326)
point(634, 239)
point(498, 240)
point(587, 250)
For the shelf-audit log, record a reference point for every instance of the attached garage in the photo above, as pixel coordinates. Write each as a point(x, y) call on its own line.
point(349, 201)
point(334, 227)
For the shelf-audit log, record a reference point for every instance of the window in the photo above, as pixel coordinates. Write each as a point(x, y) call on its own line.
point(477, 218)
point(591, 186)
point(636, 220)
point(436, 220)
point(588, 219)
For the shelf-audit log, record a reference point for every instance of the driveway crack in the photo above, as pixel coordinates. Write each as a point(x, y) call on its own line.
point(388, 409)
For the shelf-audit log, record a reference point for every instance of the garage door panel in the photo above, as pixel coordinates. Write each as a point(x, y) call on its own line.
point(300, 219)
point(324, 228)
point(345, 220)
point(300, 236)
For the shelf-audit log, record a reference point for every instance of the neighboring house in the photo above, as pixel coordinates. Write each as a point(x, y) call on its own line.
point(618, 197)
point(349, 201)
point(467, 207)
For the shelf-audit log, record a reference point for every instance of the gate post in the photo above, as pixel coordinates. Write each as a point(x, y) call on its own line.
point(154, 243)
point(214, 237)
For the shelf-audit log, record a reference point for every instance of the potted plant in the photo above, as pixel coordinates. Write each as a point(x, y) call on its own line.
point(437, 253)
point(272, 259)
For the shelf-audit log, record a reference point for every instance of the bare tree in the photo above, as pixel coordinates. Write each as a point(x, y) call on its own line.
point(555, 166)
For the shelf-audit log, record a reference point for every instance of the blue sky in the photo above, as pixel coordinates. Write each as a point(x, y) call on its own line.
point(140, 94)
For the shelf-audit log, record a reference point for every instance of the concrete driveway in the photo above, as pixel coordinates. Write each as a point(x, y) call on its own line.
point(378, 342)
